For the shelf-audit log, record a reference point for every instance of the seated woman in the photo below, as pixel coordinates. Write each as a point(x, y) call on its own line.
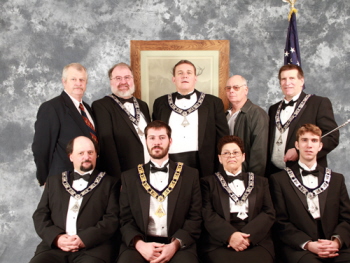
point(237, 211)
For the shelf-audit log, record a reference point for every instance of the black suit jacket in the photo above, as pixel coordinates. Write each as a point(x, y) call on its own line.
point(120, 146)
point(97, 220)
point(58, 121)
point(295, 225)
point(212, 125)
point(216, 214)
point(184, 206)
point(317, 110)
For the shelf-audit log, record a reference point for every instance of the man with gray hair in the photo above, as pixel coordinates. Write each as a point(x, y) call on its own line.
point(121, 120)
point(59, 120)
point(249, 122)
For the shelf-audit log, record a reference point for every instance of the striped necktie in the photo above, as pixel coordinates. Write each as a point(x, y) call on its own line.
point(88, 123)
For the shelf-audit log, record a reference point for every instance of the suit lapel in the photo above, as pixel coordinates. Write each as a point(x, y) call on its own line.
point(322, 198)
point(125, 117)
point(144, 198)
point(88, 195)
point(174, 195)
point(251, 197)
point(202, 120)
point(295, 123)
point(65, 198)
point(301, 196)
point(74, 113)
point(224, 197)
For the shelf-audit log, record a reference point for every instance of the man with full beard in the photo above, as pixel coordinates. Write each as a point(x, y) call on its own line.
point(122, 119)
point(77, 215)
point(160, 205)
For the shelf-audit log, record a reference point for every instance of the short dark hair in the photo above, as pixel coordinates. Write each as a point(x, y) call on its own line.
point(121, 64)
point(184, 61)
point(230, 139)
point(70, 145)
point(157, 124)
point(291, 67)
point(308, 127)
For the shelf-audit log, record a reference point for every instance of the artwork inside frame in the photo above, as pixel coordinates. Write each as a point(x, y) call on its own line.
point(152, 63)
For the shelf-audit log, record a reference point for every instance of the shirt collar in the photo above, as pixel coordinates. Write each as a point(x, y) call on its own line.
point(294, 98)
point(304, 166)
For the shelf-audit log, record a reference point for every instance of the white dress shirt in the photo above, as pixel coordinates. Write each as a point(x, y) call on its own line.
point(157, 226)
point(71, 219)
point(237, 186)
point(278, 151)
point(311, 182)
point(185, 139)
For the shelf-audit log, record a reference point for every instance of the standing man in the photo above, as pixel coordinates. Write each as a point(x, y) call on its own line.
point(121, 119)
point(78, 211)
point(296, 109)
point(249, 122)
point(58, 121)
point(196, 119)
point(160, 206)
point(312, 206)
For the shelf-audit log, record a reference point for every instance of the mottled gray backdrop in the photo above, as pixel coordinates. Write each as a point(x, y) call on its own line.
point(39, 37)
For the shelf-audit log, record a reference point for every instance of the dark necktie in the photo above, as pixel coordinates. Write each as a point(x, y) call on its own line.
point(230, 178)
point(313, 172)
point(187, 96)
point(88, 123)
point(284, 104)
point(77, 176)
point(122, 100)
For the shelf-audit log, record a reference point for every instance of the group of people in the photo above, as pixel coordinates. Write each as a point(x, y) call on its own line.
point(193, 184)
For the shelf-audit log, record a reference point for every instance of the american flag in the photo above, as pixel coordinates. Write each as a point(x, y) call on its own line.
point(292, 51)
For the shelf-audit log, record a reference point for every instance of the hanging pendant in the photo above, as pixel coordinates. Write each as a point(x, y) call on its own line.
point(242, 215)
point(185, 122)
point(279, 141)
point(139, 132)
point(75, 207)
point(160, 211)
point(312, 207)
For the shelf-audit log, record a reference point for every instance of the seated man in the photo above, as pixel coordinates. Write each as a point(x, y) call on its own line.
point(77, 214)
point(160, 206)
point(312, 206)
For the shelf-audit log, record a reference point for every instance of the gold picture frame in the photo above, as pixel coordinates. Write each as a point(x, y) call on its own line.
point(214, 55)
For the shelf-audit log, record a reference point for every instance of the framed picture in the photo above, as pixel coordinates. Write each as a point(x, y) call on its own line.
point(153, 61)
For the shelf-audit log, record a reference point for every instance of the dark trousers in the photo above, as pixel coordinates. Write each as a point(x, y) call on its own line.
point(253, 254)
point(59, 256)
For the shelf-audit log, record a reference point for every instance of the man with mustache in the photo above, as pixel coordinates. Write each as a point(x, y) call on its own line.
point(160, 206)
point(58, 121)
point(197, 119)
point(77, 215)
point(122, 119)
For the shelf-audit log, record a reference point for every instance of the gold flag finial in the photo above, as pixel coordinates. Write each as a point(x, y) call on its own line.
point(292, 9)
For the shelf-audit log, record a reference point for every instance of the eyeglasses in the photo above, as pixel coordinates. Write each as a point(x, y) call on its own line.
point(235, 88)
point(229, 154)
point(119, 79)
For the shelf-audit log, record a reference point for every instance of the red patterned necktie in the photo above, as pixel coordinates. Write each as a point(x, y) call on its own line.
point(88, 123)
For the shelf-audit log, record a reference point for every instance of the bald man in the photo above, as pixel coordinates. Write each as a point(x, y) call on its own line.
point(249, 122)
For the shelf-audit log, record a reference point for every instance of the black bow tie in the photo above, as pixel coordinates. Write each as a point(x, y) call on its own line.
point(157, 169)
point(187, 96)
point(230, 178)
point(122, 100)
point(313, 172)
point(77, 176)
point(291, 103)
